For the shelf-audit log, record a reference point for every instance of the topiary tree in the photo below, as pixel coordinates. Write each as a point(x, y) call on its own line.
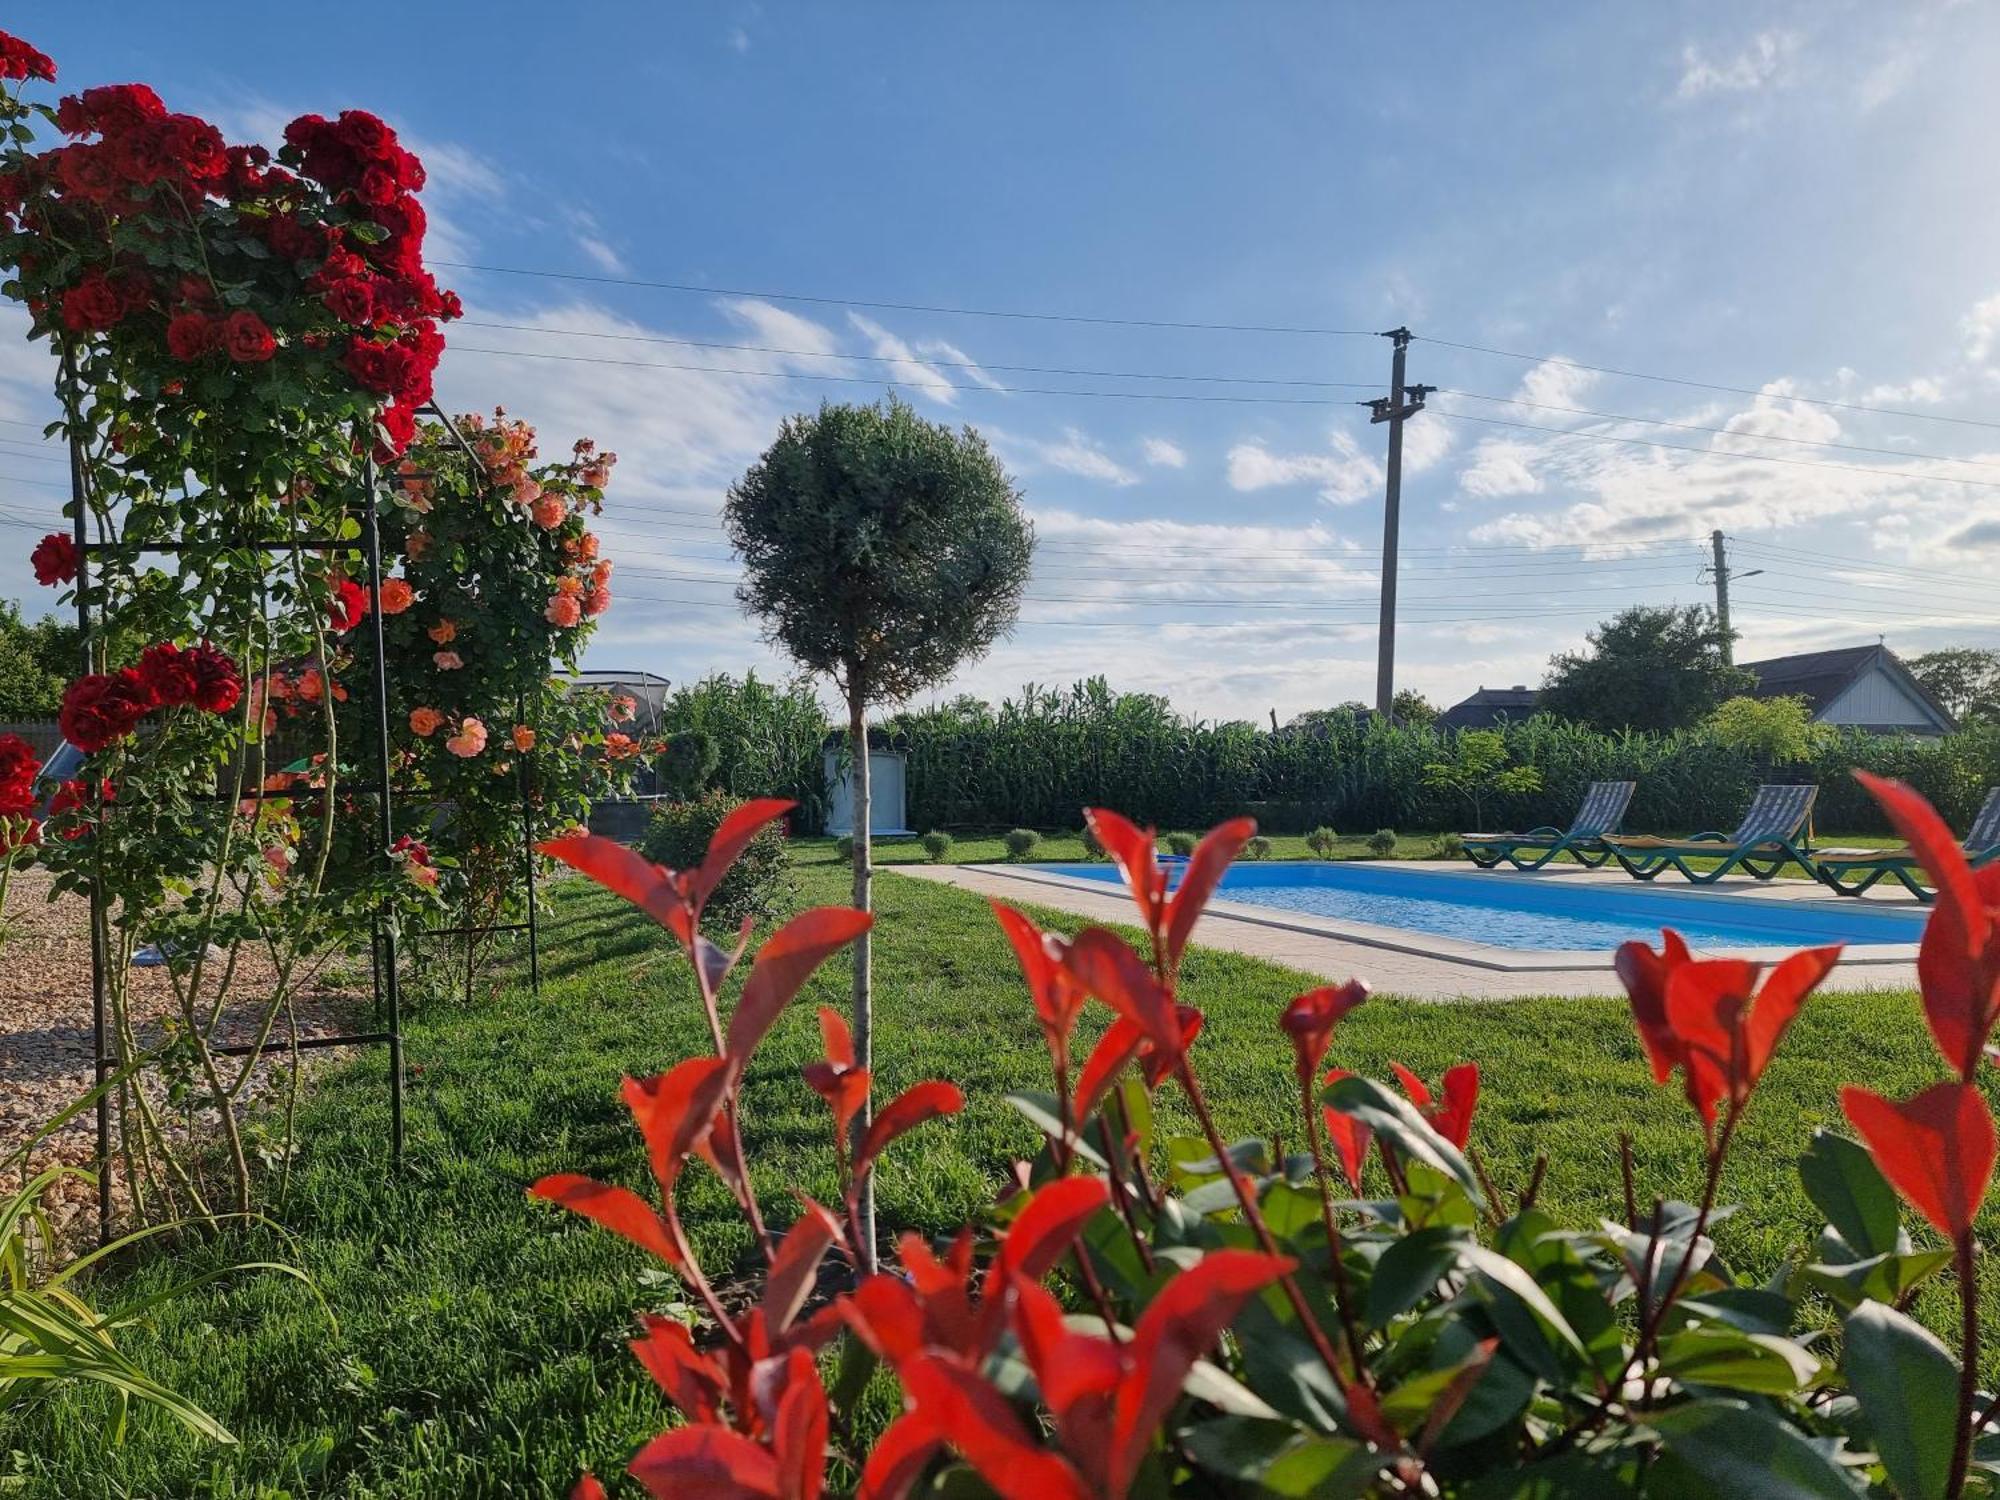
point(1021, 842)
point(937, 844)
point(687, 764)
point(1382, 842)
point(883, 551)
point(1322, 841)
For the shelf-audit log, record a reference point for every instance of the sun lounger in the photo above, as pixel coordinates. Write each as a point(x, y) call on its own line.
point(1772, 834)
point(1852, 871)
point(1602, 809)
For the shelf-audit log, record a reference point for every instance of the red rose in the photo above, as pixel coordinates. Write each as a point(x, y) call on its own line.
point(140, 155)
point(167, 673)
point(292, 238)
point(350, 603)
point(92, 305)
point(19, 60)
point(365, 134)
point(247, 338)
point(86, 171)
point(351, 301)
point(304, 131)
point(377, 185)
point(18, 767)
point(450, 307)
point(190, 335)
point(196, 146)
point(398, 426)
point(409, 170)
point(112, 108)
point(377, 367)
point(100, 710)
point(54, 559)
point(217, 684)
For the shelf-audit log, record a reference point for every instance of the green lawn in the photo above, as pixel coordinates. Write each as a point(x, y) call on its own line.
point(479, 1349)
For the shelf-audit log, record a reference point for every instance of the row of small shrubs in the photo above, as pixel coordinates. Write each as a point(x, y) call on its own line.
point(1021, 842)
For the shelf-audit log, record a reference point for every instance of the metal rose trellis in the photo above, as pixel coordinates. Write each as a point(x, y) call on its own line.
point(241, 338)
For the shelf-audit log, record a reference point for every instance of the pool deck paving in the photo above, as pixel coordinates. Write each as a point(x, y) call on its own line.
point(1422, 965)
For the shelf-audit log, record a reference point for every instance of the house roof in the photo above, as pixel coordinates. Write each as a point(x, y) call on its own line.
point(1489, 706)
point(1820, 677)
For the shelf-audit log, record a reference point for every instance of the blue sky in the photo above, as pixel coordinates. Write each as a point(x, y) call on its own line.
point(1792, 199)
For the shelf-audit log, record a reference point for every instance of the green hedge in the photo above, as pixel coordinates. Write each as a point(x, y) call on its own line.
point(1042, 756)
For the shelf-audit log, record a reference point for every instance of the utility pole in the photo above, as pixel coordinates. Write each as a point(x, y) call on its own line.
point(1402, 402)
point(1719, 571)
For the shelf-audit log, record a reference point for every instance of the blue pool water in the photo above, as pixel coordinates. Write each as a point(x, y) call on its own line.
point(1508, 912)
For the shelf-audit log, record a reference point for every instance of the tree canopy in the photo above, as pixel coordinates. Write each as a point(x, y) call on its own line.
point(1965, 679)
point(1657, 668)
point(880, 548)
point(36, 664)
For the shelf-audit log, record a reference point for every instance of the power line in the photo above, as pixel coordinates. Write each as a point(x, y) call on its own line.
point(919, 307)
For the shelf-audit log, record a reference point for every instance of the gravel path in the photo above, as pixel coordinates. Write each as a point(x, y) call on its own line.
point(45, 1028)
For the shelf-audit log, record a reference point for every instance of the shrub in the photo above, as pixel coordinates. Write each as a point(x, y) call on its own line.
point(1092, 847)
point(1181, 844)
point(1323, 841)
point(1399, 1326)
point(1382, 842)
point(688, 763)
point(1448, 846)
point(1257, 847)
point(759, 884)
point(937, 844)
point(843, 847)
point(1021, 842)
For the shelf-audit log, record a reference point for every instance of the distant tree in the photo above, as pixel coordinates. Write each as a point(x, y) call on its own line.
point(1477, 769)
point(1965, 679)
point(1412, 707)
point(883, 551)
point(1775, 730)
point(36, 663)
point(1657, 668)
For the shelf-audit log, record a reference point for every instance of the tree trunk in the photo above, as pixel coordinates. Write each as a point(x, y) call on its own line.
point(864, 900)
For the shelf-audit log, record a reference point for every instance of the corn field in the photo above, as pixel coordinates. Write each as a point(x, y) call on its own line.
point(1041, 756)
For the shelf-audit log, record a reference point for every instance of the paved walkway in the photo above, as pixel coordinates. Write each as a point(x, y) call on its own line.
point(1402, 962)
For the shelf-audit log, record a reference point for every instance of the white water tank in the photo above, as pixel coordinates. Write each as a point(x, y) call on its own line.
point(887, 816)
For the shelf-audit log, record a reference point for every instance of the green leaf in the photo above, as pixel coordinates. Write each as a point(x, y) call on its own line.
point(1717, 1354)
point(1746, 1450)
point(1408, 1270)
point(1907, 1383)
point(1880, 1278)
point(1289, 1209)
point(1240, 1448)
point(1396, 1120)
point(1323, 1468)
point(1507, 1283)
point(1043, 1111)
point(1844, 1184)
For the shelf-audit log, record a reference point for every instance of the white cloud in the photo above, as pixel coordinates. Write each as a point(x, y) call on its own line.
point(1077, 453)
point(1162, 454)
point(1426, 442)
point(904, 365)
point(1764, 61)
point(1500, 467)
point(1981, 328)
point(1555, 382)
point(964, 366)
point(1344, 476)
point(601, 255)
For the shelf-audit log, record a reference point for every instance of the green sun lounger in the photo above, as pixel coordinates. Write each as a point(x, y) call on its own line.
point(1601, 811)
point(1852, 871)
point(1773, 833)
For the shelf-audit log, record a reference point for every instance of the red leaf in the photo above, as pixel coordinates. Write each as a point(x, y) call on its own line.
point(587, 1488)
point(1043, 1232)
point(731, 837)
point(844, 1089)
point(709, 1461)
point(835, 1037)
point(1205, 868)
point(1461, 1095)
point(691, 1380)
point(1708, 1002)
point(1136, 852)
point(798, 1431)
point(1936, 1147)
point(675, 1112)
point(798, 1258)
point(618, 1209)
point(1071, 1369)
point(782, 967)
point(899, 1457)
point(886, 1316)
point(1309, 1021)
point(625, 872)
point(1349, 1136)
point(1120, 1043)
point(983, 1427)
point(911, 1108)
point(1778, 1000)
point(1102, 963)
point(1958, 963)
point(1418, 1091)
point(1179, 1326)
point(1057, 999)
point(1645, 974)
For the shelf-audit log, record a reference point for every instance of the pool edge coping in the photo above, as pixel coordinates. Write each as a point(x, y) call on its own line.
point(1438, 947)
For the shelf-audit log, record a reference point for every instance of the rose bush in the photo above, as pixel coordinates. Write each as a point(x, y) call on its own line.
point(1369, 1315)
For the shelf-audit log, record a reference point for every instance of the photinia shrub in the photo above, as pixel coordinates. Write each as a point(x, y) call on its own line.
point(1368, 1315)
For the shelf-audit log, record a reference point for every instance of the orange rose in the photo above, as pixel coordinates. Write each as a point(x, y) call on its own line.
point(524, 738)
point(424, 722)
point(397, 596)
point(548, 512)
point(311, 685)
point(563, 610)
point(444, 632)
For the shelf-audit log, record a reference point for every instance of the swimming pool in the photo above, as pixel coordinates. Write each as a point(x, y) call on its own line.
point(1533, 913)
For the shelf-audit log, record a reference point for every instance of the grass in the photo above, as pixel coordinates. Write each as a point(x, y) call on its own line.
point(480, 1351)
